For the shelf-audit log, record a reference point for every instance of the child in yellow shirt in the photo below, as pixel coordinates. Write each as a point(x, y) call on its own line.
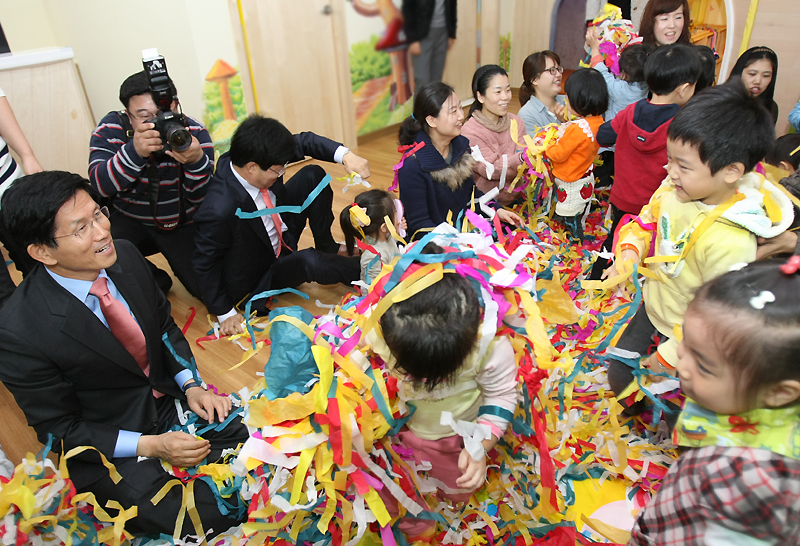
point(705, 217)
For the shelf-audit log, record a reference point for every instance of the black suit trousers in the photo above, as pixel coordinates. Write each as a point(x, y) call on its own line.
point(141, 481)
point(318, 215)
point(320, 264)
point(177, 245)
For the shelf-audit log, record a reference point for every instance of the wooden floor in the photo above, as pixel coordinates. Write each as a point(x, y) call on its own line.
point(217, 357)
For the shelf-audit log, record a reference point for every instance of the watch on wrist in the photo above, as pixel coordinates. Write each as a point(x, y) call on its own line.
point(191, 384)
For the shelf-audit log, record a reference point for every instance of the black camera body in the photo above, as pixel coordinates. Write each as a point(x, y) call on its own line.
point(172, 126)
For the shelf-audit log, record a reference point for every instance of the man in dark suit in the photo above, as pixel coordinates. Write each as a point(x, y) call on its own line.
point(89, 366)
point(238, 258)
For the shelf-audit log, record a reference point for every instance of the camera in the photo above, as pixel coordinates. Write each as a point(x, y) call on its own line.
point(172, 126)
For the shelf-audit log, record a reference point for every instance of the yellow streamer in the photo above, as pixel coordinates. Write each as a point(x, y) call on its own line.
point(534, 326)
point(748, 26)
point(614, 534)
point(405, 289)
point(300, 474)
point(325, 364)
point(247, 54)
point(378, 508)
point(393, 231)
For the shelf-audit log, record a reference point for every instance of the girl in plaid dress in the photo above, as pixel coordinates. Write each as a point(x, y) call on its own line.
point(739, 483)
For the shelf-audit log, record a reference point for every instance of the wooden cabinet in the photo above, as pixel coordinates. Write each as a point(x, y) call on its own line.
point(46, 93)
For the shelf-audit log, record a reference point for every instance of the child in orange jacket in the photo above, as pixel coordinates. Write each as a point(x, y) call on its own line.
point(572, 155)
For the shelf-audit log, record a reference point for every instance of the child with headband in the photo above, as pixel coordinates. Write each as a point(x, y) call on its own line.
point(368, 219)
point(739, 483)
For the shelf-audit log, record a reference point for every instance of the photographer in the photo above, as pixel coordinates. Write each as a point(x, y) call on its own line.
point(126, 155)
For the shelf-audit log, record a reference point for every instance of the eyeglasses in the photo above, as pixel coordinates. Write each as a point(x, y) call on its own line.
point(280, 172)
point(142, 117)
point(554, 70)
point(85, 231)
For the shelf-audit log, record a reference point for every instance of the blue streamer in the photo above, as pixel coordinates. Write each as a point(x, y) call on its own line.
point(264, 295)
point(219, 426)
point(191, 366)
point(519, 426)
point(287, 208)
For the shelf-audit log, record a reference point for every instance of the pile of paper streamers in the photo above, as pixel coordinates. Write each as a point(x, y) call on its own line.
point(323, 417)
point(40, 506)
point(615, 34)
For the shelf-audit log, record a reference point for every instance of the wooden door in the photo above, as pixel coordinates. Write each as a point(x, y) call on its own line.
point(299, 62)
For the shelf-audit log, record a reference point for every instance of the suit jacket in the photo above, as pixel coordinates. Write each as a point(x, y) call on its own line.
point(418, 15)
point(70, 375)
point(232, 254)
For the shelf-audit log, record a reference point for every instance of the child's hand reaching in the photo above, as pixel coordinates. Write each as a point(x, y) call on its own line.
point(652, 363)
point(616, 268)
point(560, 112)
point(473, 472)
point(508, 217)
point(593, 40)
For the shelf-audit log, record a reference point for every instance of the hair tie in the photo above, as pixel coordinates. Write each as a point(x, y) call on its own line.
point(763, 298)
point(359, 217)
point(412, 116)
point(791, 266)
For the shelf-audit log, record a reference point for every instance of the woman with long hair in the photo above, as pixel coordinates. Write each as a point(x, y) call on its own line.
point(489, 130)
point(758, 70)
point(435, 180)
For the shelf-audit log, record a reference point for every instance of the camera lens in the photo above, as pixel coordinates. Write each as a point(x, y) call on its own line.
point(178, 136)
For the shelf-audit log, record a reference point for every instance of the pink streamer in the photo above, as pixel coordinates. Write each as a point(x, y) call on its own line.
point(387, 537)
point(410, 150)
point(479, 222)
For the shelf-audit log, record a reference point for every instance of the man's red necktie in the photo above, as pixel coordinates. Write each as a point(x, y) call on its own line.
point(276, 219)
point(123, 326)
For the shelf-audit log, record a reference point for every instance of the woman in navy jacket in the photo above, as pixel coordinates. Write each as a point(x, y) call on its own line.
point(437, 178)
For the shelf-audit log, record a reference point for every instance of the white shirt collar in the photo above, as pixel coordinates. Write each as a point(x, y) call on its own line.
point(77, 287)
point(248, 187)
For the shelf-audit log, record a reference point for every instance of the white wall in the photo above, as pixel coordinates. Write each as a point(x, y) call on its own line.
point(26, 24)
point(108, 37)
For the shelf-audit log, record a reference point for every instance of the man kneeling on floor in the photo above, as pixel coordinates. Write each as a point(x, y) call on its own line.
point(238, 257)
point(86, 348)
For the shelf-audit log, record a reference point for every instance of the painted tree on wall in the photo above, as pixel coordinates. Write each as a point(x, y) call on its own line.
point(366, 63)
point(225, 107)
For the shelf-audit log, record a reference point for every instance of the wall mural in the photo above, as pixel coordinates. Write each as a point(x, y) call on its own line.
point(380, 70)
point(224, 104)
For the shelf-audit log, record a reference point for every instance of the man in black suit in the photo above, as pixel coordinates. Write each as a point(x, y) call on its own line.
point(74, 374)
point(238, 258)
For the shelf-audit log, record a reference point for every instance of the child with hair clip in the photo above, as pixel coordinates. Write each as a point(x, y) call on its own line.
point(572, 155)
point(431, 343)
point(739, 480)
point(368, 219)
point(785, 155)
